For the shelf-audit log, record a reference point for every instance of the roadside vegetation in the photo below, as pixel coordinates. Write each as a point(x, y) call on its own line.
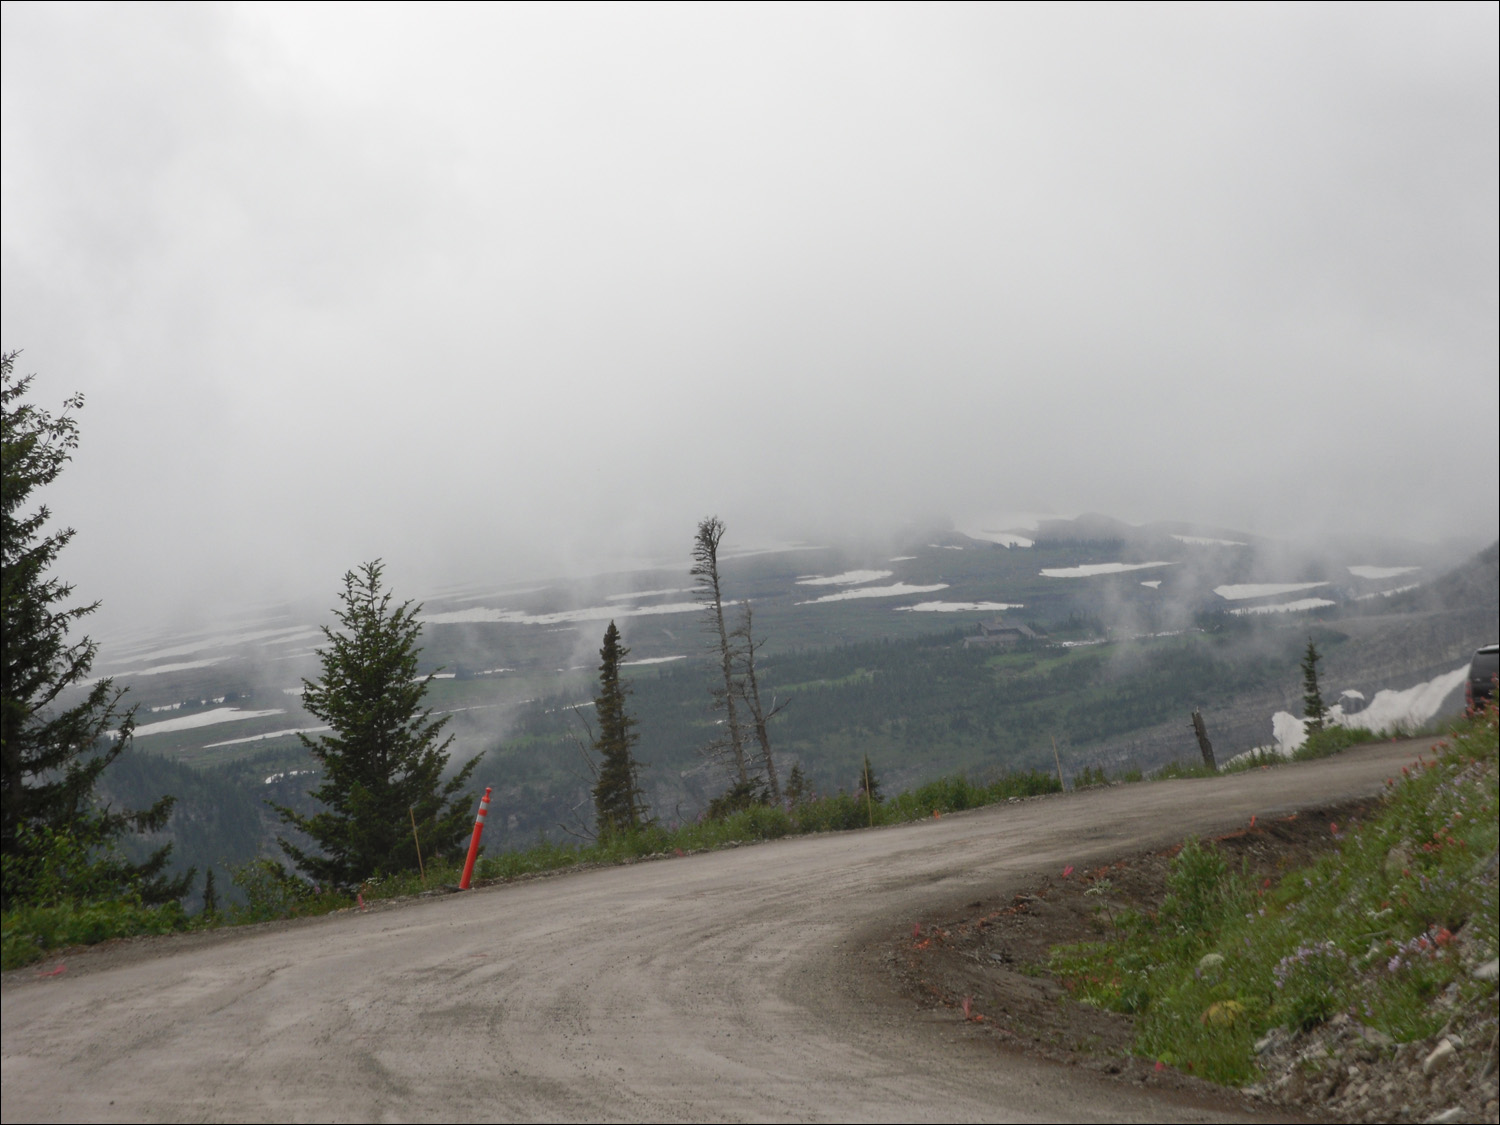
point(273, 892)
point(1388, 928)
point(63, 874)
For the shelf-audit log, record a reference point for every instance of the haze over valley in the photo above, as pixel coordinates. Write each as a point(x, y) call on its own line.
point(1108, 670)
point(511, 297)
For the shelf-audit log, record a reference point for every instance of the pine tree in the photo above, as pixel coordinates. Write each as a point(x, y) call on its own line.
point(384, 761)
point(53, 834)
point(796, 786)
point(1312, 698)
point(618, 804)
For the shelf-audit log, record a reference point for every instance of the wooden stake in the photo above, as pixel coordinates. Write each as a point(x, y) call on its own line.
point(1205, 747)
point(416, 840)
point(1061, 784)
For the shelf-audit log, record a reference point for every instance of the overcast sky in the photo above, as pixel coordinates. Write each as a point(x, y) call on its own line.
point(488, 291)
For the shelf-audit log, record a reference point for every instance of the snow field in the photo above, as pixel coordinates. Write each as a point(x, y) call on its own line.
point(1391, 710)
point(1204, 541)
point(1382, 571)
point(848, 578)
point(1263, 589)
point(484, 614)
point(263, 737)
point(894, 591)
point(1091, 569)
point(958, 607)
point(203, 719)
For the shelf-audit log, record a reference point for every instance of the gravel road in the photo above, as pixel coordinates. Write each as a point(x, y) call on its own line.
point(741, 984)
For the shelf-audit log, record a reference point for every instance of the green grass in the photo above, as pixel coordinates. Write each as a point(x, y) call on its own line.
point(1368, 929)
point(1332, 740)
point(29, 933)
point(858, 676)
point(1259, 758)
point(1176, 770)
point(1032, 661)
point(759, 822)
point(1089, 777)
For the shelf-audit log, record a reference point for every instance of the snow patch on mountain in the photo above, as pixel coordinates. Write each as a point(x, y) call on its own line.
point(1091, 569)
point(203, 719)
point(1205, 541)
point(848, 578)
point(1263, 589)
point(958, 607)
point(1382, 571)
point(1390, 712)
point(484, 614)
point(1003, 538)
point(894, 591)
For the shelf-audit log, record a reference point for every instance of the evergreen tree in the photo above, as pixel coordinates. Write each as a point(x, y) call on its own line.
point(618, 805)
point(1312, 698)
point(384, 761)
point(796, 786)
point(56, 841)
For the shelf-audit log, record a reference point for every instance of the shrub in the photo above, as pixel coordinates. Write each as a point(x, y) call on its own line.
point(1174, 770)
point(1090, 776)
point(1310, 984)
point(1367, 929)
point(29, 932)
point(272, 892)
point(1332, 740)
point(833, 814)
point(1197, 892)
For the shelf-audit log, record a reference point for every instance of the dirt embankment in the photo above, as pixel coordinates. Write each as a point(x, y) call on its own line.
point(990, 962)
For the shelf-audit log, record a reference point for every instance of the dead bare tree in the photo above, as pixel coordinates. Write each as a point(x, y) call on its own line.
point(584, 746)
point(749, 688)
point(705, 573)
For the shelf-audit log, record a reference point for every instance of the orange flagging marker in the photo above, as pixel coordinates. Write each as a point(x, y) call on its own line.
point(484, 807)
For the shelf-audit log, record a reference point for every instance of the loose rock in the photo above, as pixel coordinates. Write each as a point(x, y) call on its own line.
point(1442, 1055)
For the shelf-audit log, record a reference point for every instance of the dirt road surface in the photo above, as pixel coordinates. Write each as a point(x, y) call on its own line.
point(742, 984)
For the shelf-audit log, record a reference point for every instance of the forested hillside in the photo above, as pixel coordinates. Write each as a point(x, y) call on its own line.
point(918, 708)
point(1099, 682)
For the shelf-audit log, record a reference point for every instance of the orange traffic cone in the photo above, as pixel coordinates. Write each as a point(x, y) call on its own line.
point(484, 807)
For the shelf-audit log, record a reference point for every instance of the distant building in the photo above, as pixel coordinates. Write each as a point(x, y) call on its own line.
point(1001, 635)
